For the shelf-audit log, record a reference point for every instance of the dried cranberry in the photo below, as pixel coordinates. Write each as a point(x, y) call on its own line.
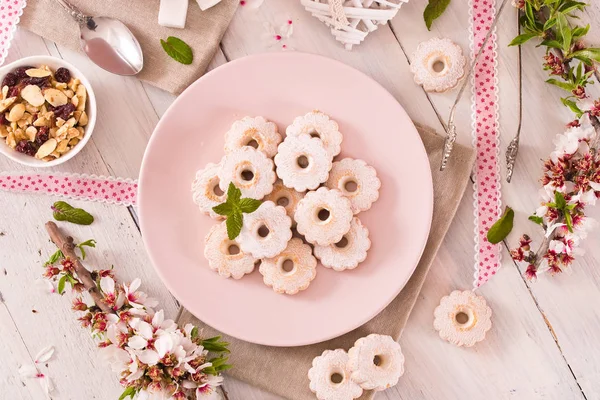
point(62, 75)
point(10, 80)
point(26, 147)
point(64, 111)
point(42, 135)
point(15, 91)
point(41, 82)
point(20, 72)
point(3, 120)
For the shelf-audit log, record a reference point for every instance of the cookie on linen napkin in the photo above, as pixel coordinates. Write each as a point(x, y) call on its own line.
point(203, 32)
point(283, 370)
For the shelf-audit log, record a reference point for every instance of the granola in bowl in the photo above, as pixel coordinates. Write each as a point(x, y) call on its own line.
point(43, 111)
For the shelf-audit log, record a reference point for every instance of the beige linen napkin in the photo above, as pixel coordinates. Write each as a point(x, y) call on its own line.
point(203, 32)
point(283, 370)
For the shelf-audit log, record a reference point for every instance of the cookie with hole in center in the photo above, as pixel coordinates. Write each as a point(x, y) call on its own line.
point(285, 197)
point(330, 377)
point(350, 251)
point(290, 271)
point(323, 216)
point(376, 362)
point(206, 191)
point(254, 132)
point(224, 255)
point(302, 162)
point(438, 64)
point(318, 125)
point(266, 231)
point(249, 170)
point(357, 181)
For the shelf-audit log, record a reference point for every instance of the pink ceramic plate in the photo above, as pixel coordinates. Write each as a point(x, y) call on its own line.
point(280, 87)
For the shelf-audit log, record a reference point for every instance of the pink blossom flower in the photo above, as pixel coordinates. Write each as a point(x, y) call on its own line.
point(135, 298)
point(531, 272)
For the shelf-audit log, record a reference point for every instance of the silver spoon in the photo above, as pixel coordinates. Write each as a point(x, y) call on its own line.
point(107, 42)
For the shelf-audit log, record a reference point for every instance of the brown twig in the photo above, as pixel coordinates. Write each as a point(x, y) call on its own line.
point(67, 246)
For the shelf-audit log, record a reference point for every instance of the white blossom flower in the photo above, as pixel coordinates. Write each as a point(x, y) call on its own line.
point(552, 227)
point(138, 299)
point(115, 356)
point(595, 186)
point(143, 333)
point(557, 246)
point(585, 225)
point(207, 389)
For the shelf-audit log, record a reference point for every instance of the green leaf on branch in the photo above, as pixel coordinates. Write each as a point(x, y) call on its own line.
point(570, 6)
point(522, 38)
point(568, 86)
point(555, 44)
point(549, 24)
point(560, 201)
point(569, 221)
point(89, 243)
point(529, 14)
point(572, 106)
point(215, 345)
point(61, 284)
point(434, 9)
point(502, 227)
point(178, 50)
point(129, 392)
point(580, 31)
point(63, 211)
point(58, 254)
point(194, 332)
point(536, 219)
point(590, 53)
point(564, 32)
point(71, 280)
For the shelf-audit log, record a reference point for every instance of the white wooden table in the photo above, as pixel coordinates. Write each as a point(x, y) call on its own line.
point(545, 335)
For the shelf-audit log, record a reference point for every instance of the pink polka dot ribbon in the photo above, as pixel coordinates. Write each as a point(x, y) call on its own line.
point(485, 137)
point(73, 186)
point(10, 13)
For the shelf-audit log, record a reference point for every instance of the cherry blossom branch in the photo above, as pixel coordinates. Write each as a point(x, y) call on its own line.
point(67, 246)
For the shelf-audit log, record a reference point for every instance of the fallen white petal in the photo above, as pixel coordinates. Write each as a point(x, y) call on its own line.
point(28, 371)
point(44, 355)
point(47, 384)
point(44, 285)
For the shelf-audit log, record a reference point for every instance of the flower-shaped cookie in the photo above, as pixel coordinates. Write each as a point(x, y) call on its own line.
point(206, 191)
point(254, 132)
point(265, 232)
point(438, 64)
point(330, 377)
point(249, 170)
point(348, 252)
point(224, 255)
point(323, 216)
point(357, 181)
point(302, 162)
point(376, 362)
point(292, 270)
point(462, 318)
point(318, 125)
point(285, 197)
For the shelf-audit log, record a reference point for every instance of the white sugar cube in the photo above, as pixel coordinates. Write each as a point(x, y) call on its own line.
point(172, 13)
point(206, 4)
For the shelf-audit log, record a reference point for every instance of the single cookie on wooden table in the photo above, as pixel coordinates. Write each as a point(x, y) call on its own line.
point(318, 125)
point(266, 231)
point(224, 255)
point(206, 191)
point(330, 377)
point(249, 170)
point(290, 271)
point(357, 181)
point(376, 362)
point(254, 132)
point(438, 64)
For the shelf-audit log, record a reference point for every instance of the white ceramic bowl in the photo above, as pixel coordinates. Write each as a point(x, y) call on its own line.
point(54, 63)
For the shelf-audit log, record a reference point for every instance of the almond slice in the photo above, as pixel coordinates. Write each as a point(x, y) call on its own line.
point(72, 133)
point(3, 131)
point(4, 104)
point(46, 149)
point(83, 119)
point(31, 131)
point(62, 146)
point(16, 113)
point(41, 121)
point(37, 72)
point(55, 97)
point(4, 92)
point(10, 140)
point(81, 96)
point(33, 95)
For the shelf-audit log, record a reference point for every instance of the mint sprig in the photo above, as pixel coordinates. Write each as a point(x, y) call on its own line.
point(434, 9)
point(178, 50)
point(234, 208)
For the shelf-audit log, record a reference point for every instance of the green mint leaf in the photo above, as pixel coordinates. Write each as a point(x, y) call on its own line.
point(233, 194)
point(178, 50)
point(590, 53)
point(234, 224)
point(194, 332)
point(560, 201)
point(563, 85)
point(502, 227)
point(433, 11)
point(129, 392)
point(536, 219)
point(223, 209)
point(61, 284)
point(89, 243)
point(248, 205)
point(523, 38)
point(65, 212)
point(55, 257)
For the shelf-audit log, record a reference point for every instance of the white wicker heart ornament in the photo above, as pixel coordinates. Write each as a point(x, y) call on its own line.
point(352, 20)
